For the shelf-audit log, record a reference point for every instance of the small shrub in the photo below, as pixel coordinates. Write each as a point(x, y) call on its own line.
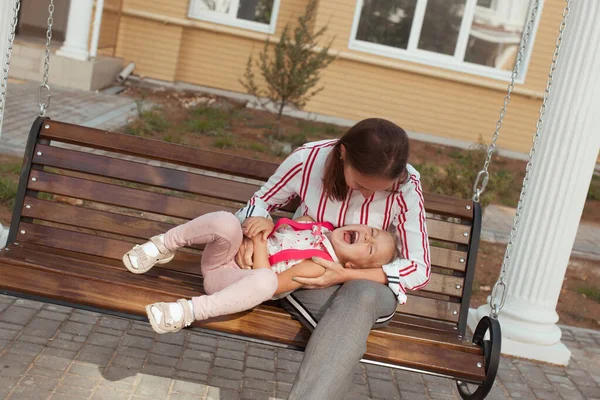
point(291, 67)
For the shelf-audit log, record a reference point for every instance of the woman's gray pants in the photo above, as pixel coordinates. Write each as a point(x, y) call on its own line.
point(340, 318)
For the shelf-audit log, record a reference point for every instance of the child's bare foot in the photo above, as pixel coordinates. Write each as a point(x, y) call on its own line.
point(141, 258)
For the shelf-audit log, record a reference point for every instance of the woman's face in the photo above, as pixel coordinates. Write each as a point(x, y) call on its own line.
point(365, 184)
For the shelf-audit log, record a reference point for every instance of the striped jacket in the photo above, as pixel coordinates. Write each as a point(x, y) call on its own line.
point(301, 174)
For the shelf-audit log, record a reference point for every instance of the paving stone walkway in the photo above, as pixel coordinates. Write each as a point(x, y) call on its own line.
point(98, 110)
point(55, 352)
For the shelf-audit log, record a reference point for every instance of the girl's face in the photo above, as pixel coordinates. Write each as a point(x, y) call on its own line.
point(366, 185)
point(360, 246)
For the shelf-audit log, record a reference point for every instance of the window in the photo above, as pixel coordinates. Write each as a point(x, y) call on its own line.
point(475, 36)
point(258, 15)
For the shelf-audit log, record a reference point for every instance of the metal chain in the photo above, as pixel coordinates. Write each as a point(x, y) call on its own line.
point(483, 176)
point(11, 40)
point(44, 93)
point(496, 306)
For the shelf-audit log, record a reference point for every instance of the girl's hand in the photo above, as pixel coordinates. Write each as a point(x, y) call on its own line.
point(256, 225)
point(334, 274)
point(245, 254)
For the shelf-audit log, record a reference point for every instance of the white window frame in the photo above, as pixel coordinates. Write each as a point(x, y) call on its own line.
point(231, 19)
point(452, 62)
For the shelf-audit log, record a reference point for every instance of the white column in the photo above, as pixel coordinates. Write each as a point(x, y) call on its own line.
point(96, 28)
point(559, 183)
point(78, 30)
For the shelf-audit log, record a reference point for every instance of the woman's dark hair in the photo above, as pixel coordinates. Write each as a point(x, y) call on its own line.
point(374, 147)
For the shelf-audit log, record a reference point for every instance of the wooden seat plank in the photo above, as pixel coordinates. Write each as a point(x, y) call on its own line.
point(157, 150)
point(121, 196)
point(96, 245)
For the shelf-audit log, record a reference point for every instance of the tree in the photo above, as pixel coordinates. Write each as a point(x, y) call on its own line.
point(291, 68)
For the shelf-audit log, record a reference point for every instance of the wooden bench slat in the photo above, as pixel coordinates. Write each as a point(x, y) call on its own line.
point(121, 196)
point(56, 257)
point(426, 336)
point(93, 219)
point(107, 271)
point(446, 258)
point(157, 150)
point(431, 308)
point(96, 245)
point(418, 321)
point(447, 231)
point(110, 294)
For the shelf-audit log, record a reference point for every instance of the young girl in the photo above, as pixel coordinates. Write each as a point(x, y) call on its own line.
point(281, 251)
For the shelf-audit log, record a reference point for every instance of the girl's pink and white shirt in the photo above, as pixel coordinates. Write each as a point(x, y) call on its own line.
point(286, 238)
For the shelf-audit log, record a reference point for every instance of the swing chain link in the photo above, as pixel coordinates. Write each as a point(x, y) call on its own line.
point(496, 306)
point(483, 176)
point(11, 40)
point(44, 92)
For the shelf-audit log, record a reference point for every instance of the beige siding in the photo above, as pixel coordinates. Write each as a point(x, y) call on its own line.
point(154, 47)
point(169, 8)
point(353, 90)
point(108, 30)
point(213, 59)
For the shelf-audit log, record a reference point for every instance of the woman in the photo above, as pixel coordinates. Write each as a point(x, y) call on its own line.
point(362, 178)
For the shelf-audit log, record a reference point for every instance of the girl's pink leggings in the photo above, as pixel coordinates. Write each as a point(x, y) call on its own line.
point(229, 288)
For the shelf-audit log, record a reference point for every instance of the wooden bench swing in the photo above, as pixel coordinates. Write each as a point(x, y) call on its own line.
point(85, 196)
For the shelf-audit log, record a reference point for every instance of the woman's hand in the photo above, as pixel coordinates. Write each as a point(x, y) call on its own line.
point(244, 255)
point(255, 225)
point(334, 274)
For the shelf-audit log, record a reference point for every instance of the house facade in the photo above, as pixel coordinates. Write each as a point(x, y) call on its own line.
point(436, 67)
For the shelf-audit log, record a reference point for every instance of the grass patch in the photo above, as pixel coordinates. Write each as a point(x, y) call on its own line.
point(209, 120)
point(590, 292)
point(10, 168)
point(224, 141)
point(150, 121)
point(8, 191)
point(313, 129)
point(9, 177)
point(261, 148)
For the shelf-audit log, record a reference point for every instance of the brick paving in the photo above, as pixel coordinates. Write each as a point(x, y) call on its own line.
point(55, 352)
point(98, 110)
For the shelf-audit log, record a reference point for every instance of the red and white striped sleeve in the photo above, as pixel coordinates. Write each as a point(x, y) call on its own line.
point(279, 190)
point(412, 270)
